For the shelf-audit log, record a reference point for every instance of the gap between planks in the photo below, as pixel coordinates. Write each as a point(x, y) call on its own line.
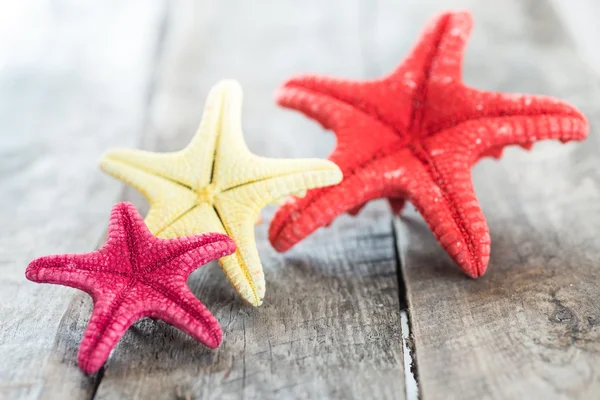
point(410, 361)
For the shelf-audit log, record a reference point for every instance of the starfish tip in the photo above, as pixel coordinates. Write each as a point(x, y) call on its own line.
point(457, 17)
point(229, 86)
point(477, 272)
point(213, 341)
point(88, 363)
point(32, 269)
point(476, 267)
point(124, 207)
point(110, 160)
point(278, 245)
point(256, 301)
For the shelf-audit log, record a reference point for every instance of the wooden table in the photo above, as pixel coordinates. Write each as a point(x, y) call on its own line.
point(79, 77)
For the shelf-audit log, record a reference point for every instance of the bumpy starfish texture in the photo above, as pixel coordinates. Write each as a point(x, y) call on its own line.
point(414, 135)
point(136, 275)
point(216, 184)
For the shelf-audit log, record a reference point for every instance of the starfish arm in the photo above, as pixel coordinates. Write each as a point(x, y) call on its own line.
point(184, 311)
point(235, 165)
point(166, 298)
point(437, 54)
point(298, 218)
point(79, 271)
point(282, 176)
point(441, 189)
point(509, 119)
point(353, 150)
point(348, 107)
point(168, 200)
point(273, 180)
point(232, 153)
point(190, 167)
point(127, 234)
point(243, 269)
point(503, 119)
point(182, 255)
point(114, 312)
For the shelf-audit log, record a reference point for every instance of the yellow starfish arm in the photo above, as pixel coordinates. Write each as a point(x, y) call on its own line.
point(238, 209)
point(236, 165)
point(168, 200)
point(288, 177)
point(192, 166)
point(243, 268)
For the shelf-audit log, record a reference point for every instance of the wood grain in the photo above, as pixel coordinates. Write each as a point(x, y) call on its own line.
point(330, 324)
point(66, 93)
point(529, 327)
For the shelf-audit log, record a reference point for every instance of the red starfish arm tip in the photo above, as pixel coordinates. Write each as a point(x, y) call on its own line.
point(439, 50)
point(503, 119)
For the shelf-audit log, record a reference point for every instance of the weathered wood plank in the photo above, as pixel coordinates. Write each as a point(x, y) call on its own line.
point(530, 327)
point(330, 324)
point(73, 81)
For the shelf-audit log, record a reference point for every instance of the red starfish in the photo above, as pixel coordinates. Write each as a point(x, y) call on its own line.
point(136, 275)
point(415, 134)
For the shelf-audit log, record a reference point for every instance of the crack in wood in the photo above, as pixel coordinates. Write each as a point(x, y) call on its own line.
point(409, 354)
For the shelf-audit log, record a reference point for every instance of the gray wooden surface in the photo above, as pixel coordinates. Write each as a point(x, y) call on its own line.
point(77, 78)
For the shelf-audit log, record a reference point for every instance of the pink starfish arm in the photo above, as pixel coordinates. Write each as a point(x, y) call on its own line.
point(183, 255)
point(190, 316)
point(114, 312)
point(78, 271)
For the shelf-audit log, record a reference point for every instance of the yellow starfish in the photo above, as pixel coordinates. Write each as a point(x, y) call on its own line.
point(216, 184)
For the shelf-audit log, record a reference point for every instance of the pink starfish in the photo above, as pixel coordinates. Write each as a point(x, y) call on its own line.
point(136, 275)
